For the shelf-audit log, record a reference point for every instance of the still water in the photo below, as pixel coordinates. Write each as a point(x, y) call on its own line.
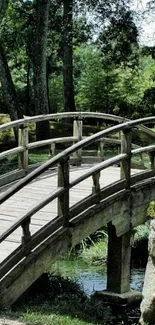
point(92, 278)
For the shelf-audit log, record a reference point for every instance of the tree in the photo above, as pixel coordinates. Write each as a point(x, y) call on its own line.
point(119, 40)
point(67, 38)
point(82, 31)
point(9, 92)
point(3, 7)
point(92, 83)
point(38, 57)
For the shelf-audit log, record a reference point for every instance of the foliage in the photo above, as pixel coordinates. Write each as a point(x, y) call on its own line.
point(151, 210)
point(141, 233)
point(91, 82)
point(56, 92)
point(119, 90)
point(95, 254)
point(112, 72)
point(119, 38)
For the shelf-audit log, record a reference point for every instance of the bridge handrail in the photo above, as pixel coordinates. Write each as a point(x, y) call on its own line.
point(95, 169)
point(13, 151)
point(62, 159)
point(25, 165)
point(91, 171)
point(55, 225)
point(67, 152)
point(57, 116)
point(75, 115)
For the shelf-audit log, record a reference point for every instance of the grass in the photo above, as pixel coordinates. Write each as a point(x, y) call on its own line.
point(95, 254)
point(11, 163)
point(59, 301)
point(52, 319)
point(141, 233)
point(37, 157)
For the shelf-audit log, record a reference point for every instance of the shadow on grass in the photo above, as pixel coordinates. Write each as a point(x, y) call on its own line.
point(58, 296)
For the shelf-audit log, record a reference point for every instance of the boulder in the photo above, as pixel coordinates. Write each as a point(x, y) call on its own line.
point(148, 301)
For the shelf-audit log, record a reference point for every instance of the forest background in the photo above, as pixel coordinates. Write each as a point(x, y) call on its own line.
point(65, 55)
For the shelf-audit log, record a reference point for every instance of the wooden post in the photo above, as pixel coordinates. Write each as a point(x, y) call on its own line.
point(26, 234)
point(52, 150)
point(96, 183)
point(126, 138)
point(101, 150)
point(23, 141)
point(152, 160)
point(63, 199)
point(77, 132)
point(119, 146)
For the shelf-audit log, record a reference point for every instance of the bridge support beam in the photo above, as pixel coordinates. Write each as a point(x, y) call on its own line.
point(118, 264)
point(118, 271)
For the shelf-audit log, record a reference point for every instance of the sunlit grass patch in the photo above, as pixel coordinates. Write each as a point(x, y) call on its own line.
point(51, 319)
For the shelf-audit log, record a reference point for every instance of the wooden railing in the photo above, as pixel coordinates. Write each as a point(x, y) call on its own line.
point(24, 146)
point(65, 214)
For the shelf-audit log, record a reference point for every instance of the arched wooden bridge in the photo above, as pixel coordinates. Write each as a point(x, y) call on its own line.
point(53, 207)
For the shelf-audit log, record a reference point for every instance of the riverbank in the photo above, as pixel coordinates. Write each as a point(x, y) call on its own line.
point(65, 297)
point(63, 300)
point(58, 301)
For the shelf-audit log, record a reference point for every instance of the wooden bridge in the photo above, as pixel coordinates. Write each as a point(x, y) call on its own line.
point(54, 206)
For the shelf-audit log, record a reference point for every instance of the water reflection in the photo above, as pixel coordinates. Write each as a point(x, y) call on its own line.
point(137, 278)
point(93, 278)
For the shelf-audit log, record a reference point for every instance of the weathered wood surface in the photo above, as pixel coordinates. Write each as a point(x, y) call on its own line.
point(12, 209)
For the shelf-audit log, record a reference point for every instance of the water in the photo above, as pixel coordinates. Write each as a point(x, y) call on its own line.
point(92, 278)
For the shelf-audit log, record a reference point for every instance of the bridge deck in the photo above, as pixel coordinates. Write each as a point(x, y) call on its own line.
point(14, 207)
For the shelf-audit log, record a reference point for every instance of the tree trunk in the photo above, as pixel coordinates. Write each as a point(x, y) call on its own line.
point(39, 65)
point(3, 7)
point(8, 88)
point(28, 100)
point(9, 92)
point(69, 103)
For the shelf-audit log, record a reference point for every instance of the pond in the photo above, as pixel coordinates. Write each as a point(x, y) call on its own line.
point(93, 278)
